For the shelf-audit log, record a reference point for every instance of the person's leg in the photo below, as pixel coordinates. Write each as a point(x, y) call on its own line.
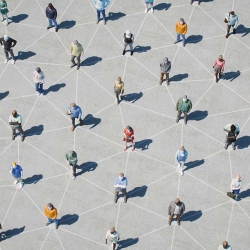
point(73, 61)
point(233, 145)
point(236, 192)
point(178, 217)
point(152, 7)
point(104, 16)
point(161, 78)
point(12, 55)
point(131, 48)
point(133, 145)
point(171, 216)
point(78, 58)
point(228, 30)
point(19, 128)
point(185, 118)
point(178, 116)
point(98, 15)
point(74, 171)
point(167, 78)
point(234, 30)
point(124, 192)
point(56, 223)
point(37, 88)
point(126, 145)
point(124, 48)
point(183, 39)
point(6, 54)
point(13, 132)
point(49, 221)
point(73, 123)
point(146, 6)
point(177, 38)
point(117, 93)
point(55, 23)
point(114, 246)
point(226, 143)
point(181, 167)
point(116, 195)
point(50, 23)
point(16, 180)
point(41, 88)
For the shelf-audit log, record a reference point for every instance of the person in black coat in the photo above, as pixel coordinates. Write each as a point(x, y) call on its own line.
point(51, 14)
point(8, 43)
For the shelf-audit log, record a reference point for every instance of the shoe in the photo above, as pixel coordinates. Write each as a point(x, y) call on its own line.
point(48, 27)
point(56, 29)
point(73, 65)
point(21, 185)
point(131, 53)
point(182, 173)
point(125, 200)
point(7, 23)
point(169, 223)
point(123, 52)
point(6, 60)
point(71, 167)
point(115, 200)
point(133, 148)
point(234, 148)
point(73, 177)
point(97, 21)
point(184, 44)
point(217, 79)
point(146, 10)
point(15, 182)
point(177, 120)
point(78, 67)
point(104, 22)
point(199, 2)
point(227, 35)
point(80, 122)
point(48, 223)
point(13, 61)
point(118, 101)
point(152, 10)
point(13, 137)
point(57, 226)
point(22, 138)
point(225, 147)
point(160, 82)
point(178, 223)
point(125, 149)
point(72, 128)
point(167, 82)
point(176, 42)
point(42, 93)
point(38, 93)
point(234, 31)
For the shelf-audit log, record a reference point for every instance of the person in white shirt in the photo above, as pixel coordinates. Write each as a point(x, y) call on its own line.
point(232, 22)
point(224, 246)
point(128, 40)
point(175, 208)
point(236, 185)
point(181, 157)
point(38, 78)
point(113, 236)
point(15, 121)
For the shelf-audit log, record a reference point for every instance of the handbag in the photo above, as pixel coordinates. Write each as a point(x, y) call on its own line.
point(231, 195)
point(225, 20)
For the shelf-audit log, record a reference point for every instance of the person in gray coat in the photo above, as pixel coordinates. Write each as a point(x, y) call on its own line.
point(165, 69)
point(175, 208)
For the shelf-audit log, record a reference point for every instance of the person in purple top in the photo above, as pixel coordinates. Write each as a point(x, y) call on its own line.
point(17, 173)
point(120, 185)
point(75, 112)
point(51, 14)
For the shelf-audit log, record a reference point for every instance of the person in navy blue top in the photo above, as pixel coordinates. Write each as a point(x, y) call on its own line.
point(75, 112)
point(17, 172)
point(120, 185)
point(51, 14)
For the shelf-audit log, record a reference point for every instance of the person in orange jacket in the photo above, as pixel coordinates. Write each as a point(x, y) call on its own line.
point(129, 137)
point(181, 30)
point(51, 213)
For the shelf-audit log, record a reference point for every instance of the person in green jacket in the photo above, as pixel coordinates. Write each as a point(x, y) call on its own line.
point(184, 105)
point(71, 158)
point(4, 10)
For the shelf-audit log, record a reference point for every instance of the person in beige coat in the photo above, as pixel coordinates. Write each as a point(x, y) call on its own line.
point(76, 50)
point(119, 89)
point(175, 208)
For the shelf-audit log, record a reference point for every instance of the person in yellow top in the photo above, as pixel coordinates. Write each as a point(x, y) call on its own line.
point(181, 30)
point(76, 51)
point(119, 89)
point(51, 213)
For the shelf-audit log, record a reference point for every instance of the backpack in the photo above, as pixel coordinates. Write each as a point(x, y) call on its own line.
point(231, 137)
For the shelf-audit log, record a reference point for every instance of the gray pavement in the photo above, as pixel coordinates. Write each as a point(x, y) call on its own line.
point(85, 205)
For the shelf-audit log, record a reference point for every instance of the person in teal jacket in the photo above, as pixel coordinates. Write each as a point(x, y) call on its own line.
point(71, 158)
point(184, 105)
point(4, 10)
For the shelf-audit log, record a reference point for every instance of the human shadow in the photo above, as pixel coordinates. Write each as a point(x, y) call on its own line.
point(22, 55)
point(243, 142)
point(141, 49)
point(33, 179)
point(4, 94)
point(115, 16)
point(91, 120)
point(241, 29)
point(132, 97)
point(143, 144)
point(191, 216)
point(67, 24)
point(193, 164)
point(11, 232)
point(162, 6)
point(91, 61)
point(54, 88)
point(137, 192)
point(35, 130)
point(206, 1)
point(194, 39)
point(178, 78)
point(68, 219)
point(86, 167)
point(18, 18)
point(127, 243)
point(244, 194)
point(231, 75)
point(198, 115)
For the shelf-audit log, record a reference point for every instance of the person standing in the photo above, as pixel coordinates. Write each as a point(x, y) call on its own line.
point(232, 22)
point(224, 246)
point(219, 65)
point(233, 131)
point(17, 173)
point(76, 50)
point(119, 89)
point(51, 213)
point(113, 236)
point(4, 10)
point(181, 30)
point(184, 105)
point(75, 112)
point(120, 185)
point(128, 39)
point(151, 4)
point(129, 137)
point(8, 43)
point(71, 158)
point(175, 208)
point(193, 1)
point(181, 157)
point(51, 14)
point(100, 8)
point(38, 78)
point(165, 67)
point(236, 185)
point(15, 121)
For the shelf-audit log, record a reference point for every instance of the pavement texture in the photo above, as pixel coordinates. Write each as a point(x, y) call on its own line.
point(85, 205)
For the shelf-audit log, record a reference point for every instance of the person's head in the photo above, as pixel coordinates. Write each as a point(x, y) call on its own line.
point(38, 70)
point(182, 148)
point(121, 175)
point(165, 59)
point(224, 244)
point(50, 206)
point(6, 38)
point(128, 128)
point(182, 21)
point(72, 105)
point(238, 177)
point(231, 13)
point(232, 128)
point(184, 98)
point(76, 43)
point(128, 33)
point(112, 230)
point(14, 113)
point(119, 79)
point(220, 57)
point(177, 201)
point(50, 5)
point(13, 164)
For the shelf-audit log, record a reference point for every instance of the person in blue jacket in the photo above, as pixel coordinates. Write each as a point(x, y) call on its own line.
point(51, 14)
point(180, 158)
point(100, 8)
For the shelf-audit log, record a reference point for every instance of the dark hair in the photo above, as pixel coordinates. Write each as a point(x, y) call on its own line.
point(50, 5)
point(232, 12)
point(233, 128)
point(129, 128)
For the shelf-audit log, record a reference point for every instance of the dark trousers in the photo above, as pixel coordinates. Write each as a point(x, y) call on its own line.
point(98, 12)
point(7, 51)
point(227, 143)
point(179, 115)
point(118, 93)
point(229, 27)
point(74, 169)
point(118, 190)
point(162, 75)
point(19, 129)
point(178, 217)
point(77, 58)
point(74, 122)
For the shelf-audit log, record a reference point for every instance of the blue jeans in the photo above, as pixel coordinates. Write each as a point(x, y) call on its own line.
point(236, 191)
point(39, 87)
point(98, 14)
point(53, 220)
point(182, 36)
point(53, 21)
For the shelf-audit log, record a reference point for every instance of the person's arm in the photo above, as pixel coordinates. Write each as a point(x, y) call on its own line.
point(55, 15)
point(80, 113)
point(22, 173)
point(46, 12)
point(55, 214)
point(176, 27)
point(43, 78)
point(215, 63)
point(183, 209)
point(122, 89)
point(107, 234)
point(14, 42)
point(71, 49)
point(189, 106)
point(177, 104)
point(185, 30)
point(176, 157)
point(169, 208)
point(82, 51)
point(1, 41)
point(169, 67)
point(223, 65)
point(10, 169)
point(236, 23)
point(232, 185)
point(186, 154)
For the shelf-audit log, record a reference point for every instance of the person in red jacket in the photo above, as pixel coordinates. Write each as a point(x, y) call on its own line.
point(129, 137)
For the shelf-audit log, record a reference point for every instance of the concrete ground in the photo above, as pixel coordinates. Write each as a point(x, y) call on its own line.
point(85, 205)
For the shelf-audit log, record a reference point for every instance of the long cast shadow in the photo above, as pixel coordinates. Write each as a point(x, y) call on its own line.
point(86, 167)
point(231, 75)
point(243, 142)
point(241, 29)
point(18, 18)
point(178, 78)
point(4, 94)
point(115, 16)
point(162, 6)
point(10, 233)
point(137, 192)
point(23, 55)
point(193, 164)
point(127, 243)
point(198, 115)
point(33, 179)
point(90, 61)
point(68, 219)
point(141, 49)
point(194, 39)
point(132, 97)
point(191, 216)
point(35, 130)
point(54, 88)
point(67, 24)
point(144, 144)
point(91, 120)
point(244, 194)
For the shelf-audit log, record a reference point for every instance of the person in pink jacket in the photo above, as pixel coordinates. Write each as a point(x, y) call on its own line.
point(219, 67)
